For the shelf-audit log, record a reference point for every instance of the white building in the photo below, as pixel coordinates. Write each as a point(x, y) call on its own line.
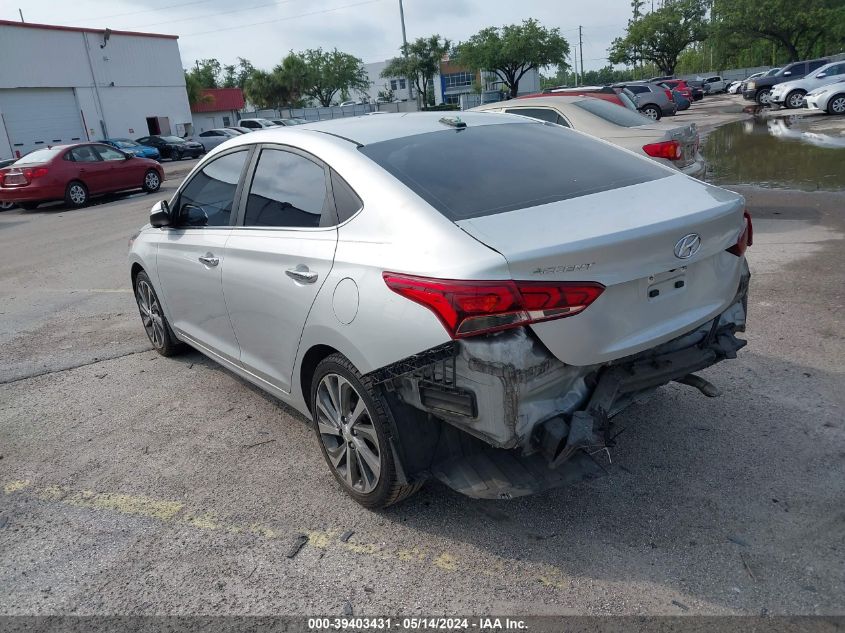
point(64, 84)
point(399, 85)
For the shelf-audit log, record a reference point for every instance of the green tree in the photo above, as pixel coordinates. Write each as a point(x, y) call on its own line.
point(511, 51)
point(194, 89)
point(267, 90)
point(662, 35)
point(803, 29)
point(236, 75)
point(325, 73)
point(207, 73)
point(419, 63)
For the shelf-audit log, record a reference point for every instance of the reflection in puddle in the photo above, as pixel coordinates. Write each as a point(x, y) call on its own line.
point(775, 153)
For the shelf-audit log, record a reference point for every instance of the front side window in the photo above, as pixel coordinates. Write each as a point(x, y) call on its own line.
point(84, 154)
point(208, 198)
point(107, 153)
point(287, 190)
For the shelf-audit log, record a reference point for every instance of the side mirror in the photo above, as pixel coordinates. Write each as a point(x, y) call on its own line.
point(128, 156)
point(820, 75)
point(160, 214)
point(787, 73)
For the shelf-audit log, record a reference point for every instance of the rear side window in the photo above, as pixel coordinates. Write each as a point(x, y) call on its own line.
point(613, 113)
point(541, 114)
point(84, 154)
point(638, 89)
point(287, 190)
point(346, 200)
point(208, 198)
point(489, 169)
point(817, 64)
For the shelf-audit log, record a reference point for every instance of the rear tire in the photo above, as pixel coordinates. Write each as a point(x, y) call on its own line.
point(153, 319)
point(5, 206)
point(836, 104)
point(795, 99)
point(152, 181)
point(352, 422)
point(76, 195)
point(652, 112)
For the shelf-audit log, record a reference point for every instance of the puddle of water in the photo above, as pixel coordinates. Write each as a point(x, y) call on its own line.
point(775, 153)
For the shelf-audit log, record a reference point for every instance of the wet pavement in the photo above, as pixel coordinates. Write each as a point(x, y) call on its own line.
point(788, 152)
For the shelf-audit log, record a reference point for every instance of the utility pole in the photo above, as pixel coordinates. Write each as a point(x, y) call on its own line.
point(405, 50)
point(21, 13)
point(581, 51)
point(575, 66)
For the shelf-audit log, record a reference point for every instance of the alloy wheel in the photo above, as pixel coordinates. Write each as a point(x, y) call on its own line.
point(151, 180)
point(77, 194)
point(348, 433)
point(150, 313)
point(796, 100)
point(837, 105)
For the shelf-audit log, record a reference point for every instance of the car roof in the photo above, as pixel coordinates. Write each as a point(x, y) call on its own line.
point(366, 130)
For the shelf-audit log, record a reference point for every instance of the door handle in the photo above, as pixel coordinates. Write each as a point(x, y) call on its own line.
point(209, 260)
point(302, 274)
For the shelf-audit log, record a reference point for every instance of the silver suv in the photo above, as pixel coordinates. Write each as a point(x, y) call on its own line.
point(470, 298)
point(653, 100)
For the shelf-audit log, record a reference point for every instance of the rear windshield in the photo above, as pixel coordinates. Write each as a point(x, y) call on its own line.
point(489, 169)
point(172, 139)
point(40, 156)
point(613, 113)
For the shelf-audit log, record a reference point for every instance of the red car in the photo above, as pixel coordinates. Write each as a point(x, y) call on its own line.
point(680, 85)
point(74, 173)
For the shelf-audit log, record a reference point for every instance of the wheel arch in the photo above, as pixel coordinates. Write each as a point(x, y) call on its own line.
point(308, 366)
point(828, 108)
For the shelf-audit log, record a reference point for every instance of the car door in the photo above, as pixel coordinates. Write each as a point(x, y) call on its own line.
point(122, 173)
point(192, 254)
point(278, 257)
point(91, 169)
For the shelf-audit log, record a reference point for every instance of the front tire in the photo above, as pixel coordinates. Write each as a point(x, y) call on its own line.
point(652, 112)
point(76, 195)
point(764, 97)
point(153, 319)
point(836, 104)
point(352, 421)
point(152, 181)
point(795, 99)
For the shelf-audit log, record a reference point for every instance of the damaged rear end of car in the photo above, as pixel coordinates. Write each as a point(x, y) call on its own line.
point(609, 296)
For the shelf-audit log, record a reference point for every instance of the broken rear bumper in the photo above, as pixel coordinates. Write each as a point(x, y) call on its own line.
point(534, 421)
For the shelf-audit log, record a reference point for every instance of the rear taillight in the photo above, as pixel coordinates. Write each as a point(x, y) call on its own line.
point(664, 149)
point(468, 308)
point(34, 172)
point(746, 238)
point(669, 95)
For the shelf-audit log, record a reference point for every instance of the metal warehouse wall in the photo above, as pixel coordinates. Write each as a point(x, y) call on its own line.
point(136, 76)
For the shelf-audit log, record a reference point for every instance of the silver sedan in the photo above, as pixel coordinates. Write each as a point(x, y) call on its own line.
point(471, 298)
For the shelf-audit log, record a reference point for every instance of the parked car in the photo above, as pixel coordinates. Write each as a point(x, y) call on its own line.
point(733, 87)
point(768, 73)
point(677, 85)
point(128, 146)
point(214, 137)
point(75, 173)
point(714, 84)
point(5, 205)
point(673, 145)
point(238, 129)
point(696, 89)
point(791, 93)
point(653, 100)
point(760, 89)
point(682, 102)
point(256, 124)
point(535, 283)
point(348, 103)
point(289, 122)
point(829, 98)
point(605, 93)
point(173, 147)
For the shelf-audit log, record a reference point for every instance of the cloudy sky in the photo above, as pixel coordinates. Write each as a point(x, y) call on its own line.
point(263, 30)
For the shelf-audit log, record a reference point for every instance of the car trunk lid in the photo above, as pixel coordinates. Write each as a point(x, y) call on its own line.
point(626, 240)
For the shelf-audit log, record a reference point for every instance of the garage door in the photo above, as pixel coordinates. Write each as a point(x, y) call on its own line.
point(37, 117)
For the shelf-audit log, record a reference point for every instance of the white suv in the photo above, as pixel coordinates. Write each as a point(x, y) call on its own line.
point(791, 93)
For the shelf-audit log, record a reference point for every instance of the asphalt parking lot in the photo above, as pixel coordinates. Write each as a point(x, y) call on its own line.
point(131, 483)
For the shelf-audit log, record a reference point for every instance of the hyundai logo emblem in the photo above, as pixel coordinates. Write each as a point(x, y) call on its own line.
point(688, 246)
